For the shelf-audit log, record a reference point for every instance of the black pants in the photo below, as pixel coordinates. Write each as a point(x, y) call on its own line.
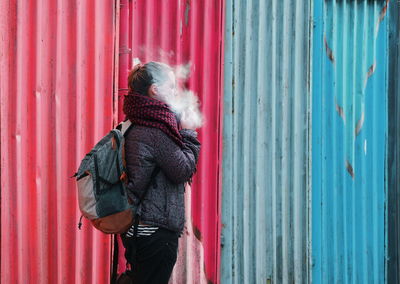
point(155, 256)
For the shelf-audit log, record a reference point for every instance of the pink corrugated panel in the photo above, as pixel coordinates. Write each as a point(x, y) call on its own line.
point(56, 102)
point(180, 33)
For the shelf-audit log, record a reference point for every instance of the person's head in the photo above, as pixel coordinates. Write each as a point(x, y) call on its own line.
point(153, 79)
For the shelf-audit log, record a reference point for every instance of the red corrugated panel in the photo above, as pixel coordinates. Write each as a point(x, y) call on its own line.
point(182, 32)
point(56, 102)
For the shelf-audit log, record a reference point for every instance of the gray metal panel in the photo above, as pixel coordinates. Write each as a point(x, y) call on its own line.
point(265, 199)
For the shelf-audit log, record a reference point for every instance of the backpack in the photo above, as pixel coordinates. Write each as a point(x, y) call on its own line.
point(101, 181)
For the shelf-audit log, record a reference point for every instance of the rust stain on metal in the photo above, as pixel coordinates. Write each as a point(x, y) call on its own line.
point(329, 51)
point(382, 15)
point(187, 9)
point(360, 124)
point(383, 12)
point(197, 233)
point(349, 168)
point(371, 71)
point(340, 111)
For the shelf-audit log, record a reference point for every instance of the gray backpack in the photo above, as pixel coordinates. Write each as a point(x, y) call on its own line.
point(101, 180)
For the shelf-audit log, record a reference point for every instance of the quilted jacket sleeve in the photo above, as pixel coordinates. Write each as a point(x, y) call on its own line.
point(178, 164)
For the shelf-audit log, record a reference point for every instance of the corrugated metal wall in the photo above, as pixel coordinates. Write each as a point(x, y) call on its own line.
point(189, 33)
point(56, 94)
point(265, 139)
point(393, 169)
point(349, 141)
point(57, 85)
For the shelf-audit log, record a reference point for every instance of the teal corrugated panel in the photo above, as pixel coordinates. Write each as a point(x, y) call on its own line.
point(393, 168)
point(265, 200)
point(349, 141)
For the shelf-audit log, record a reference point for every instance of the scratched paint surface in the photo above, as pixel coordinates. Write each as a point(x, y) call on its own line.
point(349, 140)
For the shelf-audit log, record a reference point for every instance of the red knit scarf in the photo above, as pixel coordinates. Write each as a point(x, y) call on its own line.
point(145, 111)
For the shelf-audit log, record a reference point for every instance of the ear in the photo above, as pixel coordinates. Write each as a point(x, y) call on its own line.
point(152, 91)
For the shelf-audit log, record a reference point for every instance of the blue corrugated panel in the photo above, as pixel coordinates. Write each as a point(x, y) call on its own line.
point(266, 128)
point(349, 141)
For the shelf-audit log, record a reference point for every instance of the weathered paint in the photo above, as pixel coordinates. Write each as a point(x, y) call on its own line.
point(265, 139)
point(393, 221)
point(122, 70)
point(56, 101)
point(349, 141)
point(180, 33)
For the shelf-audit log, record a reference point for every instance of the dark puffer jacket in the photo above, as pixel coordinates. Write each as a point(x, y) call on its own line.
point(147, 148)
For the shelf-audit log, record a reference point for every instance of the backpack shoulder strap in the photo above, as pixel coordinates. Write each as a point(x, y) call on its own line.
point(124, 126)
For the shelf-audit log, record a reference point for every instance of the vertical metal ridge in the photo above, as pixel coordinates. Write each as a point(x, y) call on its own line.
point(228, 264)
point(393, 150)
point(246, 104)
point(273, 272)
point(266, 76)
point(261, 144)
point(317, 55)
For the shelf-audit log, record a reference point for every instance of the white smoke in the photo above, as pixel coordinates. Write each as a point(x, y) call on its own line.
point(184, 103)
point(187, 107)
point(182, 71)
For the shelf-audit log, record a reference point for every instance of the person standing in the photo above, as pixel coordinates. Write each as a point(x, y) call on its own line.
point(161, 156)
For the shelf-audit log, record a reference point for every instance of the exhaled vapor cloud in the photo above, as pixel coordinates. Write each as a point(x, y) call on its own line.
point(187, 106)
point(184, 103)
